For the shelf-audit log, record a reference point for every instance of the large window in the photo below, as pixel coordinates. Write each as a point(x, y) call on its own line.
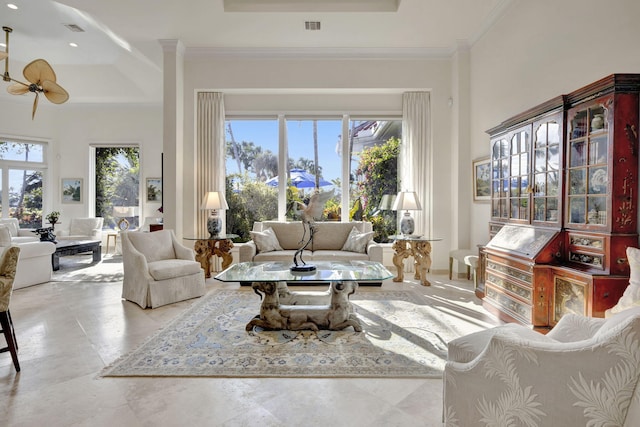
point(22, 164)
point(312, 149)
point(117, 186)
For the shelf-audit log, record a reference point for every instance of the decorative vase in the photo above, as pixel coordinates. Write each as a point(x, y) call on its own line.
point(214, 225)
point(597, 122)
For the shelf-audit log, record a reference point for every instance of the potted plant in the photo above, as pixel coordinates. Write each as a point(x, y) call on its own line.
point(53, 217)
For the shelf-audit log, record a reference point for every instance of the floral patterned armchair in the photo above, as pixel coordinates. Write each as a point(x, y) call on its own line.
point(585, 372)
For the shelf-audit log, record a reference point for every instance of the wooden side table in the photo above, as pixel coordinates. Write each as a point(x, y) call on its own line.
point(417, 246)
point(207, 247)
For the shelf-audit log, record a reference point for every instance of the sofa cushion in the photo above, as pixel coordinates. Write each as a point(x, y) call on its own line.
point(336, 255)
point(5, 235)
point(84, 226)
point(284, 255)
point(172, 268)
point(289, 234)
point(266, 241)
point(155, 246)
point(357, 241)
point(331, 235)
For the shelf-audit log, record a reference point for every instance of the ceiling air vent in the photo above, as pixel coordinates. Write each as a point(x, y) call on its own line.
point(75, 28)
point(312, 25)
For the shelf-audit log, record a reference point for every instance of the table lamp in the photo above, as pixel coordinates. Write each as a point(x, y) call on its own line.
point(214, 200)
point(407, 201)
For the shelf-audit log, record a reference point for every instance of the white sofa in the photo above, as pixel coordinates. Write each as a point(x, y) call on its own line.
point(328, 242)
point(585, 372)
point(19, 235)
point(34, 262)
point(81, 229)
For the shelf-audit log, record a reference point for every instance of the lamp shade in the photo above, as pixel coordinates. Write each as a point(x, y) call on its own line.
point(125, 211)
point(407, 200)
point(214, 200)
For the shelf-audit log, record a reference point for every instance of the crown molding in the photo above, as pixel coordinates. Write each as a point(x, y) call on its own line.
point(319, 53)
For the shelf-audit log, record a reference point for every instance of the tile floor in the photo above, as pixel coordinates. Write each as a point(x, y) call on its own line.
point(69, 331)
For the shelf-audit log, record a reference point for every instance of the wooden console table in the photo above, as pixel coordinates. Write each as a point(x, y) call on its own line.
point(207, 247)
point(417, 246)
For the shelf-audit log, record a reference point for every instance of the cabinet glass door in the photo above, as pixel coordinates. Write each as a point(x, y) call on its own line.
point(500, 178)
point(588, 171)
point(546, 171)
point(519, 188)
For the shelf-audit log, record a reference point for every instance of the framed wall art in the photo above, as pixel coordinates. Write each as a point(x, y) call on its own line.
point(71, 190)
point(154, 190)
point(482, 179)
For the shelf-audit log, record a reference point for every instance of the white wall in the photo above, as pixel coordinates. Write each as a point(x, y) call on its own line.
point(71, 129)
point(320, 86)
point(539, 50)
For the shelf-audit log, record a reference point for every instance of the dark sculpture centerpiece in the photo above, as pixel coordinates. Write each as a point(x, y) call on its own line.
point(309, 213)
point(46, 234)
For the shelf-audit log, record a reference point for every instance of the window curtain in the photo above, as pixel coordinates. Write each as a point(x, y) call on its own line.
point(415, 155)
point(211, 151)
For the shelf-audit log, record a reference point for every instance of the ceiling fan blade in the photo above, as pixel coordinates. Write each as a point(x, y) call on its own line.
point(35, 106)
point(39, 70)
point(3, 55)
point(54, 92)
point(17, 89)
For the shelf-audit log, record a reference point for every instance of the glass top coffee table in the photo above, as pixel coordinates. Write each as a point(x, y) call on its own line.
point(295, 310)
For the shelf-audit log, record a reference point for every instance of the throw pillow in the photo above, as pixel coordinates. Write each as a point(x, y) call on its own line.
point(266, 241)
point(357, 241)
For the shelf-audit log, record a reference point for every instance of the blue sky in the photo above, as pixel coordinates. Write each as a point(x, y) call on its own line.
point(264, 133)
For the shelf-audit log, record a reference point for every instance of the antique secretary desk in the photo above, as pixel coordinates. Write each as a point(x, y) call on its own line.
point(564, 205)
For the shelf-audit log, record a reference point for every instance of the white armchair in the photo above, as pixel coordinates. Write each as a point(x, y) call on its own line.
point(158, 270)
point(584, 372)
point(81, 229)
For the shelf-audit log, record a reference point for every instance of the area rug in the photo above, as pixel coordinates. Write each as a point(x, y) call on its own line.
point(402, 337)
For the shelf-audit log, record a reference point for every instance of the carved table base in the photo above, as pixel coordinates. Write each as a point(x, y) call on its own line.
point(285, 309)
point(207, 248)
point(421, 252)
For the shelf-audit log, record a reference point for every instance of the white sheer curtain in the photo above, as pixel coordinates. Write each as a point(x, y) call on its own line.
point(210, 152)
point(415, 155)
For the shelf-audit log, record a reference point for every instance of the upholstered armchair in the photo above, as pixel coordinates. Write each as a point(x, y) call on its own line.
point(158, 270)
point(81, 229)
point(583, 373)
point(8, 267)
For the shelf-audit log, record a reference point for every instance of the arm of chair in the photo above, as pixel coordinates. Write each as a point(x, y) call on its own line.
point(182, 252)
point(375, 251)
point(246, 251)
point(134, 263)
point(544, 381)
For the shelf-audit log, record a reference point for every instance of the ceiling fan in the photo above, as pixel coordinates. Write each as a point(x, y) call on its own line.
point(40, 76)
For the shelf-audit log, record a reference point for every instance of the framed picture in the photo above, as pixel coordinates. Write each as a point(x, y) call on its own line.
point(154, 190)
point(71, 190)
point(482, 179)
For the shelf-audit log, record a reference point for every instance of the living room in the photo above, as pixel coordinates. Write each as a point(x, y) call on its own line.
point(529, 52)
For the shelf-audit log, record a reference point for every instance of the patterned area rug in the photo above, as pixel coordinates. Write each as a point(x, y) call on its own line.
point(402, 337)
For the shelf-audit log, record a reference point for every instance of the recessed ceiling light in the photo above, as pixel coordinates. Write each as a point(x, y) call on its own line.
point(12, 6)
point(72, 44)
